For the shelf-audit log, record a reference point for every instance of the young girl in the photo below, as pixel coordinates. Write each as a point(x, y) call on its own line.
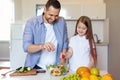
point(82, 50)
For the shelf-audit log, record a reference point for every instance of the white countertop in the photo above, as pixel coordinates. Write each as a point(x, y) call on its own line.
point(39, 76)
point(102, 44)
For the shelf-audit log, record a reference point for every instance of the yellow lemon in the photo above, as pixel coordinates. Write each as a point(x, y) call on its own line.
point(93, 77)
point(99, 77)
point(84, 78)
point(94, 71)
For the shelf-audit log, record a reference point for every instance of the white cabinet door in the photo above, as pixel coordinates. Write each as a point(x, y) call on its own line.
point(94, 11)
point(71, 11)
point(17, 31)
point(74, 11)
point(102, 62)
point(17, 55)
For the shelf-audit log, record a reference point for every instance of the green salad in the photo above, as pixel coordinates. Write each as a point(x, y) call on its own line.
point(57, 70)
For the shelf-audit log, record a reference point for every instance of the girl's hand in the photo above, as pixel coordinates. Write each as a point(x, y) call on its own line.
point(62, 55)
point(62, 59)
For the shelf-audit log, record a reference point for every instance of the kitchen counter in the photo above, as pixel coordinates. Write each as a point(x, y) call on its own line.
point(39, 76)
point(102, 44)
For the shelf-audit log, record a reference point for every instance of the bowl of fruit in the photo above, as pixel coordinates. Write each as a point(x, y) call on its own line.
point(57, 70)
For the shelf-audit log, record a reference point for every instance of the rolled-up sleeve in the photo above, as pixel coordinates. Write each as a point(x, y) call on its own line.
point(27, 35)
point(65, 37)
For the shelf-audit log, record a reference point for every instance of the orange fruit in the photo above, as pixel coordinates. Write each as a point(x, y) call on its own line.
point(86, 74)
point(107, 77)
point(83, 70)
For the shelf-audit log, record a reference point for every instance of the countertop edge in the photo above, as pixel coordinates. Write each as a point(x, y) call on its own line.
point(102, 44)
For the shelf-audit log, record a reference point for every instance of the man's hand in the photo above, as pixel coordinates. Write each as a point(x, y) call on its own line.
point(49, 46)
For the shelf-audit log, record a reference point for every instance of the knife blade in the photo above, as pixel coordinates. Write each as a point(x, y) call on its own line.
point(41, 71)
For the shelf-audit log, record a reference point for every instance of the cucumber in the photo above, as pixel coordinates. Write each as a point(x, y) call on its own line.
point(27, 68)
point(24, 69)
point(21, 70)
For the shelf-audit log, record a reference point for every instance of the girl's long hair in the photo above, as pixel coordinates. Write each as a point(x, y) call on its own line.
point(89, 35)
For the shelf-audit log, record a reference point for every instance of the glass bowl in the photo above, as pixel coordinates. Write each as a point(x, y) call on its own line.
point(57, 70)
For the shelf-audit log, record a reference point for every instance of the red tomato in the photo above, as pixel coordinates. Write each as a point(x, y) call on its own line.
point(63, 55)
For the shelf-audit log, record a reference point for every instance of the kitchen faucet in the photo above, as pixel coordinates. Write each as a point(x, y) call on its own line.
point(97, 40)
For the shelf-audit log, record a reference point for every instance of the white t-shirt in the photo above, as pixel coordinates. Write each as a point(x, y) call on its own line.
point(81, 52)
point(46, 57)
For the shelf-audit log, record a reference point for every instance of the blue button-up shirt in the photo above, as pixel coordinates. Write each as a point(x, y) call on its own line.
point(35, 32)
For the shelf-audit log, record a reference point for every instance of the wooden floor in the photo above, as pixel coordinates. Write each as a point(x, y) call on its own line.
point(4, 64)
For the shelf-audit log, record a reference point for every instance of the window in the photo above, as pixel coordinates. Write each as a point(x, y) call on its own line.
point(40, 8)
point(6, 18)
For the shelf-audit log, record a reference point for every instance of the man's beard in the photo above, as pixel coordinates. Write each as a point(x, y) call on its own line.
point(49, 21)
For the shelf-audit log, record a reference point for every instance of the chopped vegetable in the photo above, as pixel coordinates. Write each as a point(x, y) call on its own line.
point(24, 69)
point(57, 70)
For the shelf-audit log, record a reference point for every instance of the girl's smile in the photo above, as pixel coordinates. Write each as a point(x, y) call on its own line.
point(81, 29)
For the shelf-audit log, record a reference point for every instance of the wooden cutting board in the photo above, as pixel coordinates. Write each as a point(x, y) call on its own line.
point(31, 72)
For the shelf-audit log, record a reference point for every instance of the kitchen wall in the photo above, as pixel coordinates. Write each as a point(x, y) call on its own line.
point(24, 12)
point(113, 12)
point(18, 10)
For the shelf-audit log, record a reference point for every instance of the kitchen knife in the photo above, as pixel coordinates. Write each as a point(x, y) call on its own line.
point(4, 74)
point(40, 71)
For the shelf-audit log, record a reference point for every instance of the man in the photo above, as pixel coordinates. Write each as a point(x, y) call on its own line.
point(45, 37)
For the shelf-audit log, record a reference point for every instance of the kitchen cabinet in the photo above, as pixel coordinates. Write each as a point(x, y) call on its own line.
point(102, 57)
point(17, 55)
point(94, 11)
point(74, 11)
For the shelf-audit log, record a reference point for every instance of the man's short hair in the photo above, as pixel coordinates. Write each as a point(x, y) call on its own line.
point(55, 3)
